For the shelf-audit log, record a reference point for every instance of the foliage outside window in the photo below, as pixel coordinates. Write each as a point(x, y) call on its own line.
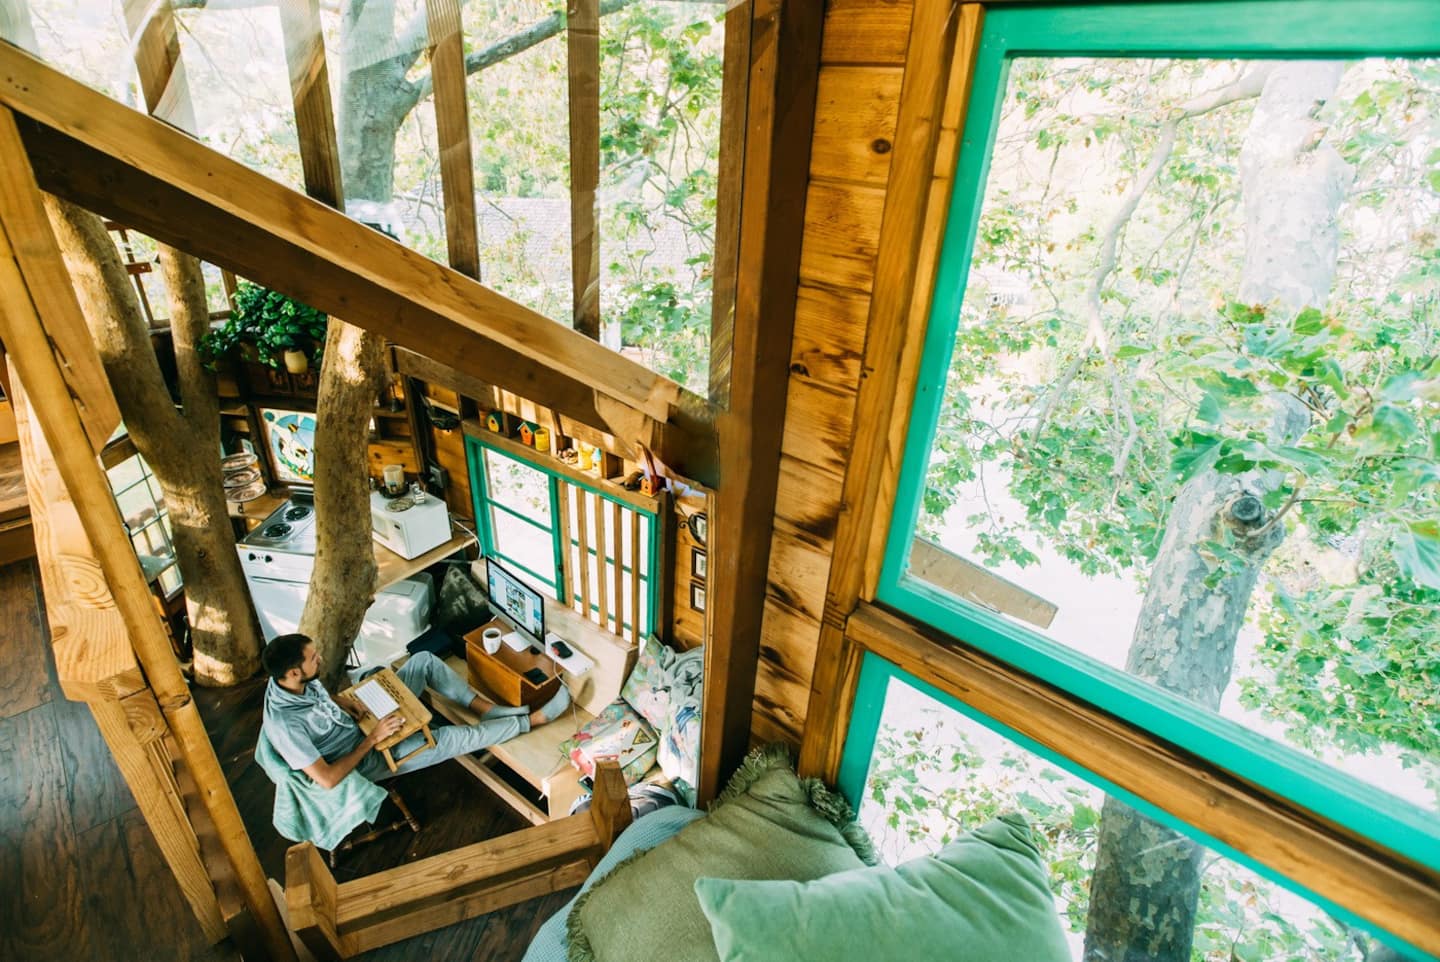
point(936, 773)
point(1184, 384)
point(147, 521)
point(529, 519)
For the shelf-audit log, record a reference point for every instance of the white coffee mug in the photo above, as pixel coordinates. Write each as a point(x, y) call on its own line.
point(490, 639)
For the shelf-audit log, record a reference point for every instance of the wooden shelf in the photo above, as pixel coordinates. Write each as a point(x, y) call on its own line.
point(512, 447)
point(392, 568)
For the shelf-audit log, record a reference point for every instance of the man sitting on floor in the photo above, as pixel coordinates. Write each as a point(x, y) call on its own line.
point(316, 736)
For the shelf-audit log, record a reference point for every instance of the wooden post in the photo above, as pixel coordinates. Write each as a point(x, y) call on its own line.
point(609, 804)
point(452, 128)
point(151, 24)
point(735, 83)
point(784, 69)
point(311, 901)
point(310, 91)
point(65, 417)
point(582, 38)
point(919, 190)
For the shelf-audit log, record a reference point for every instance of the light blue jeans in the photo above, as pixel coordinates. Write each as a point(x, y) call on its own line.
point(422, 671)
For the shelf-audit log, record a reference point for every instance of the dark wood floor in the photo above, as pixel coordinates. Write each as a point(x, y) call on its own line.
point(80, 876)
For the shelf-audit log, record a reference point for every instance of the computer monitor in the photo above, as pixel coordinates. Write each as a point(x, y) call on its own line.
point(516, 600)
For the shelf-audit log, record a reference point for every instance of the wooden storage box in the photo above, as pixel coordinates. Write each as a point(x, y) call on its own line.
point(503, 673)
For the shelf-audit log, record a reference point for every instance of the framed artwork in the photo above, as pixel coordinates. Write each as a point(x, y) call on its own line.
point(697, 564)
point(697, 596)
point(290, 443)
point(699, 526)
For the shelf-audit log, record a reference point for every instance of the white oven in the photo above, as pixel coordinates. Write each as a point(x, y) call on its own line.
point(407, 528)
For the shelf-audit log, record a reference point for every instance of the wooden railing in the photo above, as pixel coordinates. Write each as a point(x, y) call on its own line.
point(338, 921)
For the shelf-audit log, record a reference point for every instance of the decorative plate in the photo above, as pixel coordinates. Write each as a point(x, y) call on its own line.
point(249, 492)
point(399, 504)
point(241, 477)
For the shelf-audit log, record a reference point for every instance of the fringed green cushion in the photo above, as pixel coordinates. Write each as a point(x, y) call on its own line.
point(983, 898)
point(766, 824)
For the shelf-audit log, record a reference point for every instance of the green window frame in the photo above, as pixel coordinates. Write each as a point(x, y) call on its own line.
point(564, 543)
point(1246, 28)
point(871, 691)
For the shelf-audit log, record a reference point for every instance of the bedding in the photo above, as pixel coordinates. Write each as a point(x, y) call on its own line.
point(983, 898)
point(617, 732)
point(665, 688)
point(550, 943)
point(767, 824)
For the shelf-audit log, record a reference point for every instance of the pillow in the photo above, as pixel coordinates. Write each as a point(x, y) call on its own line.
point(617, 732)
point(648, 689)
point(664, 686)
point(767, 824)
point(983, 898)
point(679, 756)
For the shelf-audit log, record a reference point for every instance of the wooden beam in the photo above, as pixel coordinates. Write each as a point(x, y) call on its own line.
point(965, 579)
point(936, 85)
point(310, 91)
point(156, 46)
point(582, 39)
point(609, 805)
point(735, 81)
point(1394, 893)
point(783, 72)
point(207, 201)
point(65, 422)
point(452, 129)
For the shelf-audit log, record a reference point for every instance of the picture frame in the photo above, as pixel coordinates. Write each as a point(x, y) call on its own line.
point(698, 567)
point(289, 444)
point(697, 596)
point(699, 526)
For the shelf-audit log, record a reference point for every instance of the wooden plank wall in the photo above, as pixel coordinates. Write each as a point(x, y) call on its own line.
point(861, 69)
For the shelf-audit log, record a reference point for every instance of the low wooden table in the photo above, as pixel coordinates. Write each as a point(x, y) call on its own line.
point(534, 756)
point(417, 716)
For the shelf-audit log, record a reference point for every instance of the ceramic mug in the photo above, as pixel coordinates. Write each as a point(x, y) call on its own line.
point(490, 640)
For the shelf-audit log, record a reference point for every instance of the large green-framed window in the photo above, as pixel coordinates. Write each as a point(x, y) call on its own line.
point(1180, 387)
point(580, 545)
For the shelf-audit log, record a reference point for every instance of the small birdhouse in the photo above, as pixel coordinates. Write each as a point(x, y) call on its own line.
point(651, 485)
point(527, 434)
point(495, 421)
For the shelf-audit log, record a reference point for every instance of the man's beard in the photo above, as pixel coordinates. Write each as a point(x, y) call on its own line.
point(307, 679)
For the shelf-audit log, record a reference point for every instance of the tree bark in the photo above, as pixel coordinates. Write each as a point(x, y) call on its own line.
point(343, 585)
point(182, 447)
point(1146, 883)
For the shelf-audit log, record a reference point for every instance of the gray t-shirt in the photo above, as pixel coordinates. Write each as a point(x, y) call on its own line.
point(309, 726)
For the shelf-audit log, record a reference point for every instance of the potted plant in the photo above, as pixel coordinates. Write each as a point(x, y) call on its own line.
point(281, 329)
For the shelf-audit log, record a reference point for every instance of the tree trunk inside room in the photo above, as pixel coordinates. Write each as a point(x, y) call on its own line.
point(182, 447)
point(1146, 884)
point(343, 584)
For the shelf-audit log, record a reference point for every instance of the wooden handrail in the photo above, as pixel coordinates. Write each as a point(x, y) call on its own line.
point(344, 920)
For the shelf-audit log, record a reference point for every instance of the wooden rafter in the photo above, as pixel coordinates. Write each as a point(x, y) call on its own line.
point(310, 91)
point(452, 128)
point(919, 188)
point(439, 311)
point(783, 72)
point(34, 315)
point(582, 38)
point(156, 44)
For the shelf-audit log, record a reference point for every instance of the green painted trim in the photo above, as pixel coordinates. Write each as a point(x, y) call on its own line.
point(514, 564)
point(555, 541)
point(547, 528)
point(875, 676)
point(1334, 28)
point(551, 472)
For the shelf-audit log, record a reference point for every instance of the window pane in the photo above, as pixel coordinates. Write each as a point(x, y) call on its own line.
point(518, 486)
point(528, 545)
point(1191, 422)
point(936, 774)
point(660, 83)
point(87, 39)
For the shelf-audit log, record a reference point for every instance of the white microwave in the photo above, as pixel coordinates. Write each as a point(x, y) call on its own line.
point(411, 530)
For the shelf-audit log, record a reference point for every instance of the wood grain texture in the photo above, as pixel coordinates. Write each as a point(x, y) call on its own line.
point(797, 568)
point(734, 91)
point(934, 62)
point(829, 341)
point(582, 38)
point(842, 231)
point(809, 499)
point(818, 425)
point(452, 130)
point(1384, 888)
point(40, 857)
point(866, 31)
point(26, 681)
point(96, 790)
point(157, 62)
point(214, 195)
point(310, 94)
point(784, 64)
point(855, 124)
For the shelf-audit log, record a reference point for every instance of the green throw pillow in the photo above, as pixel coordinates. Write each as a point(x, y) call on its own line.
point(983, 898)
point(767, 824)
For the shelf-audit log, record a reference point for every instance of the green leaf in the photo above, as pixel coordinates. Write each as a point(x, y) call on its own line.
point(1209, 410)
point(1417, 550)
point(1132, 350)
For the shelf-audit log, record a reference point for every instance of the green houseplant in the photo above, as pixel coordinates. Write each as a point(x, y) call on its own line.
point(281, 329)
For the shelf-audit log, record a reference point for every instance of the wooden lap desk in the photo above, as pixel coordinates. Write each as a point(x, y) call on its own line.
point(417, 716)
point(534, 756)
